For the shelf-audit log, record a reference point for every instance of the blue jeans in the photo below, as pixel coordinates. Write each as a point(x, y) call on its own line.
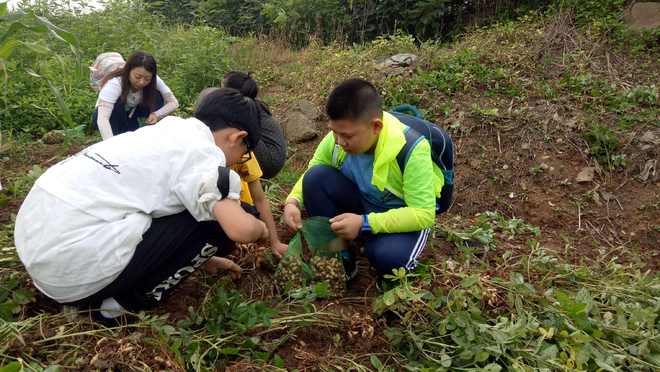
point(327, 192)
point(120, 122)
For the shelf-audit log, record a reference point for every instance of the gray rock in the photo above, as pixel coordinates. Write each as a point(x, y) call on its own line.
point(649, 171)
point(643, 16)
point(308, 109)
point(298, 127)
point(53, 137)
point(651, 137)
point(397, 60)
point(586, 175)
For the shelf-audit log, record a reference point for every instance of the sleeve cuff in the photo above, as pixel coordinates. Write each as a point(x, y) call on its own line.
point(365, 224)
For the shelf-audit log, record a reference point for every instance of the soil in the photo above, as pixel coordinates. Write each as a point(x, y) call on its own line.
point(526, 171)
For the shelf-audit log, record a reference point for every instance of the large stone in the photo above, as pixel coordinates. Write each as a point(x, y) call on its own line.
point(308, 109)
point(397, 60)
point(648, 172)
point(586, 175)
point(643, 16)
point(53, 137)
point(298, 127)
point(652, 137)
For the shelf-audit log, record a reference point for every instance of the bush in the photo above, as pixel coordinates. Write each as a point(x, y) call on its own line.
point(189, 58)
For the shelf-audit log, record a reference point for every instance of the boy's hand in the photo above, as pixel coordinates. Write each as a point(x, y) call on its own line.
point(279, 249)
point(346, 225)
point(292, 217)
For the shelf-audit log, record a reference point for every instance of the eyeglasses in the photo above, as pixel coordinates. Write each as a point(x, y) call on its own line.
point(247, 156)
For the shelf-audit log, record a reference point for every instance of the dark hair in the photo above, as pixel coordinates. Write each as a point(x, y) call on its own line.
point(242, 82)
point(147, 61)
point(227, 107)
point(354, 99)
point(245, 84)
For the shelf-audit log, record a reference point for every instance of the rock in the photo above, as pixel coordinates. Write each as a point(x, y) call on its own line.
point(643, 16)
point(571, 123)
point(586, 175)
point(648, 171)
point(397, 60)
point(607, 196)
point(652, 137)
point(298, 127)
point(53, 137)
point(300, 122)
point(308, 109)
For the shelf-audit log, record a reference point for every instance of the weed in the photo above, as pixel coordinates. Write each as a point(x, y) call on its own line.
point(603, 145)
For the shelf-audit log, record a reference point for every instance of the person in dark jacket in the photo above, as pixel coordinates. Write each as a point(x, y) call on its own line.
point(271, 151)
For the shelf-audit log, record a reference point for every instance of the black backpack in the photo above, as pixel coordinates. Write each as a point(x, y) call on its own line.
point(442, 150)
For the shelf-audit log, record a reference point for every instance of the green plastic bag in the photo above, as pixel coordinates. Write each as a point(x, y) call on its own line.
point(320, 238)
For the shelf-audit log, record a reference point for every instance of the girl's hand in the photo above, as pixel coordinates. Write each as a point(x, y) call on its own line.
point(152, 119)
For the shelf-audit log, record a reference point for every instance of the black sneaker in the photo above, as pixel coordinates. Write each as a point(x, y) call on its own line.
point(350, 264)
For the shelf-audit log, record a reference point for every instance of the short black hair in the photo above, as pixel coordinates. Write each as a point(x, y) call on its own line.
point(227, 107)
point(354, 99)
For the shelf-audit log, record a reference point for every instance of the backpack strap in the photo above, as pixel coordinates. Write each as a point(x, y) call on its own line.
point(335, 156)
point(408, 109)
point(223, 181)
point(412, 139)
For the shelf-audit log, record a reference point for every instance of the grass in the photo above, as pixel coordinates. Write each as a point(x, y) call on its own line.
point(494, 290)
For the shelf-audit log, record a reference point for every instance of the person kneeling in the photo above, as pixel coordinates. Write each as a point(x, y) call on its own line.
point(354, 178)
point(118, 225)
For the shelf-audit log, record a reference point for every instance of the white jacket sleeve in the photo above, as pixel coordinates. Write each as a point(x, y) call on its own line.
point(198, 190)
point(103, 119)
point(170, 103)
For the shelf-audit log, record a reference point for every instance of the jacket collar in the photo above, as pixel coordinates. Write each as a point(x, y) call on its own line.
point(390, 142)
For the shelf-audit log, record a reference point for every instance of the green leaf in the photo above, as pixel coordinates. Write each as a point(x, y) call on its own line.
point(481, 356)
point(3, 9)
point(295, 246)
point(23, 296)
point(58, 32)
point(445, 360)
point(7, 311)
point(493, 367)
point(469, 281)
point(516, 278)
point(375, 362)
point(11, 367)
point(550, 352)
point(7, 47)
point(322, 289)
point(59, 99)
point(230, 351)
point(36, 47)
point(278, 361)
point(307, 270)
point(54, 368)
point(389, 298)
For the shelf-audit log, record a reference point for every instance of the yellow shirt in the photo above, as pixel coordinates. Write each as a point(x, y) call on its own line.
point(249, 171)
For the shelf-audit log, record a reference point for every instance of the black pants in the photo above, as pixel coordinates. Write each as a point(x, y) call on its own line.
point(121, 121)
point(171, 249)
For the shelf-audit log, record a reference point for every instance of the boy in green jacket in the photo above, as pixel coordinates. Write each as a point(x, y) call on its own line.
point(355, 180)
